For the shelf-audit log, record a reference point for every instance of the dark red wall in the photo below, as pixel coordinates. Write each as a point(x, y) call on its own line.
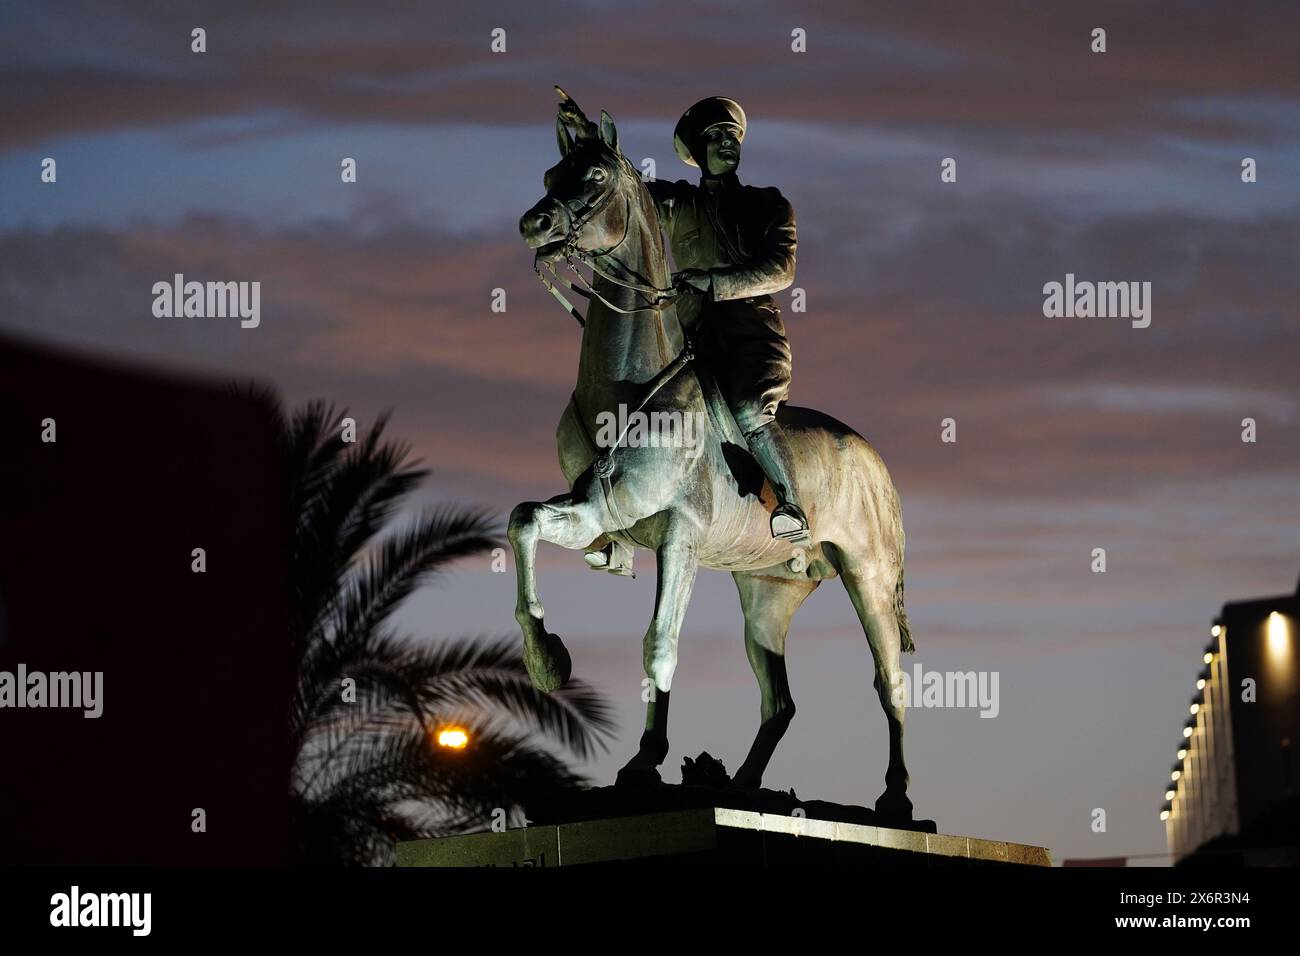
point(96, 532)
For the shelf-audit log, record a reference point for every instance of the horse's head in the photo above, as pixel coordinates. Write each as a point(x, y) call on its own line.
point(588, 194)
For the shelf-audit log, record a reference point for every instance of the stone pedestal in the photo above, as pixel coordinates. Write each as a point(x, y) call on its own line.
point(715, 836)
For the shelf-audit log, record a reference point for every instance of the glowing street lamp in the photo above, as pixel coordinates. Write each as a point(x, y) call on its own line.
point(453, 738)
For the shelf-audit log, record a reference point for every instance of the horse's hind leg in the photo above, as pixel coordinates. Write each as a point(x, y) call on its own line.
point(873, 592)
point(571, 521)
point(768, 603)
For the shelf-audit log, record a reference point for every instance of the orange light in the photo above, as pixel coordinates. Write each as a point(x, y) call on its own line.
point(453, 738)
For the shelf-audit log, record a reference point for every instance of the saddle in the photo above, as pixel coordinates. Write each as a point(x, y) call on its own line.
point(744, 469)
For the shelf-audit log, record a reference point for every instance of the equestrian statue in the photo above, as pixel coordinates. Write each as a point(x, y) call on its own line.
point(783, 497)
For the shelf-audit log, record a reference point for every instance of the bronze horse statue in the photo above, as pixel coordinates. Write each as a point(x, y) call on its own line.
point(694, 506)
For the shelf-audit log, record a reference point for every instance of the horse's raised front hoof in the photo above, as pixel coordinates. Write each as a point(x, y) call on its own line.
point(548, 663)
point(638, 776)
point(894, 805)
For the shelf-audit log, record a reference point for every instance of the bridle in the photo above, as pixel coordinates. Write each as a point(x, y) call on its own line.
point(659, 299)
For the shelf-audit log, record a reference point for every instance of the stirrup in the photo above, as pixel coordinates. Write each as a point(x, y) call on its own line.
point(790, 524)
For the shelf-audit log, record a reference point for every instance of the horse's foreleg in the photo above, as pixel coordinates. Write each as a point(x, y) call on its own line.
point(566, 521)
point(677, 567)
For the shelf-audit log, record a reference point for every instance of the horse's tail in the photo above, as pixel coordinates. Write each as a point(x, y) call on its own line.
point(906, 644)
point(900, 614)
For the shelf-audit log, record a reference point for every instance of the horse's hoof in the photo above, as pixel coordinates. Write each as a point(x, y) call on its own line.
point(549, 665)
point(638, 777)
point(799, 563)
point(894, 805)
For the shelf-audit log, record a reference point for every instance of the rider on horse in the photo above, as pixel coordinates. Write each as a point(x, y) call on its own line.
point(734, 246)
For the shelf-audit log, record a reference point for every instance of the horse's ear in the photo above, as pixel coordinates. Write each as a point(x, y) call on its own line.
point(562, 137)
point(608, 132)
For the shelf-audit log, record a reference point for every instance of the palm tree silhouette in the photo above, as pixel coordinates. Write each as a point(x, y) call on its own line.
point(369, 770)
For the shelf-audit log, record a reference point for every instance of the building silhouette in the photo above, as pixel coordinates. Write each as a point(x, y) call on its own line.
point(110, 476)
point(1231, 795)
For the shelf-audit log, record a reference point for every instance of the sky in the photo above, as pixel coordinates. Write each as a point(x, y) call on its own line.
point(924, 302)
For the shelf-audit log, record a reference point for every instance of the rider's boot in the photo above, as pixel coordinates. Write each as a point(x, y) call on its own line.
point(615, 557)
point(771, 449)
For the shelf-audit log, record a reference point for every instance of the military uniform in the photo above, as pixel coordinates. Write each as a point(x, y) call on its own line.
point(744, 237)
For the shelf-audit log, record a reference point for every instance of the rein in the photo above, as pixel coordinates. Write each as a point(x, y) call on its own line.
point(659, 298)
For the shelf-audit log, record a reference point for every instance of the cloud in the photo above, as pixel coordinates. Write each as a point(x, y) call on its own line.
point(1015, 66)
point(947, 323)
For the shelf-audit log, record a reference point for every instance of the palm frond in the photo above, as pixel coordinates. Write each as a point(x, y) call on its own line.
point(402, 563)
point(368, 771)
